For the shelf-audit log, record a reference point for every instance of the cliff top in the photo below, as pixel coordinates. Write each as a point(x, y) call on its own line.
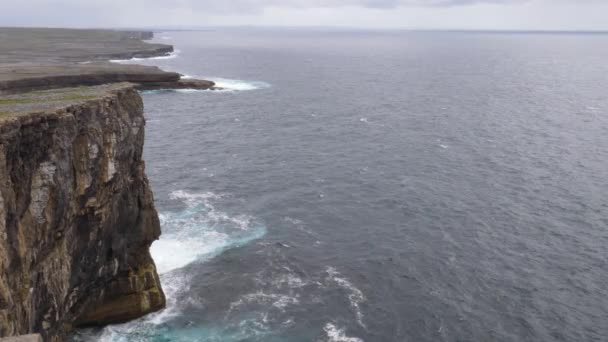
point(52, 100)
point(16, 71)
point(41, 58)
point(45, 45)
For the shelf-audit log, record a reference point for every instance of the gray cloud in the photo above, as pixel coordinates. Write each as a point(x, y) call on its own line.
point(375, 13)
point(236, 6)
point(230, 6)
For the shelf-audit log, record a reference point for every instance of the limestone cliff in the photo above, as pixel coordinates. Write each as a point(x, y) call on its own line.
point(35, 59)
point(77, 215)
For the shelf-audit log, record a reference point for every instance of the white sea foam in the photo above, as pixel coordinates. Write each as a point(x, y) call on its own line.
point(355, 296)
point(237, 85)
point(279, 301)
point(335, 334)
point(171, 55)
point(182, 249)
point(173, 284)
point(199, 232)
point(292, 220)
point(289, 280)
point(224, 85)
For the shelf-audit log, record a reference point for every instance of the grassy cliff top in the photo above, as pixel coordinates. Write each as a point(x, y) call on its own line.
point(10, 72)
point(53, 99)
point(43, 45)
point(38, 58)
point(41, 58)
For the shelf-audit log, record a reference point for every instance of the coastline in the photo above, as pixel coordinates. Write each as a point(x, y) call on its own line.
point(39, 64)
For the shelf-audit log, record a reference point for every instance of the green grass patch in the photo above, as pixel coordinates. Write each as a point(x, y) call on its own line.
point(57, 91)
point(15, 101)
point(74, 97)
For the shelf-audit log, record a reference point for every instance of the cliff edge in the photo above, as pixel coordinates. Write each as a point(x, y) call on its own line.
point(44, 58)
point(77, 215)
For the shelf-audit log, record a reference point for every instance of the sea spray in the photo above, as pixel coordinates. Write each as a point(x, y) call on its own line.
point(238, 85)
point(135, 60)
point(223, 86)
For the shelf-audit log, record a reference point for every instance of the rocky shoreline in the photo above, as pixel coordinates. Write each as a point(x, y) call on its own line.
point(77, 214)
point(39, 59)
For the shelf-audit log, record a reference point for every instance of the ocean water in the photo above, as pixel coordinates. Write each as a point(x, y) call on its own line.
point(380, 186)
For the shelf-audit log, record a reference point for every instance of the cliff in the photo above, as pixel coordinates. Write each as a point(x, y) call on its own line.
point(36, 58)
point(47, 46)
point(18, 78)
point(77, 215)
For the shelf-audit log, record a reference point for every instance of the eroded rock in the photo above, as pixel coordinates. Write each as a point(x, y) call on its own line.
point(77, 215)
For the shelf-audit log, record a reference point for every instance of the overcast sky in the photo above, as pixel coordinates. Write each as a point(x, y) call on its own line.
point(412, 14)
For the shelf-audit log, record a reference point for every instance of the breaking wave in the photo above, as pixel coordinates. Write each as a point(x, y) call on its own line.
point(200, 232)
point(355, 296)
point(226, 85)
point(171, 55)
point(335, 334)
point(238, 85)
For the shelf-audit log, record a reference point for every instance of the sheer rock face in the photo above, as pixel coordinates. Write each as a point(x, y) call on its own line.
point(77, 217)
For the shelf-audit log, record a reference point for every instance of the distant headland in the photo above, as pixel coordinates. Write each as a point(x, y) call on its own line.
point(40, 58)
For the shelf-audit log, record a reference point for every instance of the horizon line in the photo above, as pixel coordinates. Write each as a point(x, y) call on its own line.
point(317, 27)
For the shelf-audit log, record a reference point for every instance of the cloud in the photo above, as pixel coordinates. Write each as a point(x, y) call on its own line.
point(233, 6)
point(247, 6)
point(484, 14)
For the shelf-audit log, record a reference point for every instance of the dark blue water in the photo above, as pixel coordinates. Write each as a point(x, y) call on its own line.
point(381, 186)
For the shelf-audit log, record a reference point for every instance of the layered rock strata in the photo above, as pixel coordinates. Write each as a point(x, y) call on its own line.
point(19, 78)
point(37, 59)
point(77, 215)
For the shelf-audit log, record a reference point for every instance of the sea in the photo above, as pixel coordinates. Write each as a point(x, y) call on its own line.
point(379, 186)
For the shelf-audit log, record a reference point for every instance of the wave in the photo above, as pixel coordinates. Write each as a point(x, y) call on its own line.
point(355, 296)
point(200, 232)
point(226, 85)
point(289, 280)
point(238, 85)
point(335, 334)
point(279, 301)
point(171, 55)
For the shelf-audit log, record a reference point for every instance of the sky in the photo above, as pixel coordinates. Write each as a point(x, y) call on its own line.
point(574, 15)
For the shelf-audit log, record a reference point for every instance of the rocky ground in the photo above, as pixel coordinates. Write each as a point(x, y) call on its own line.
point(42, 45)
point(34, 59)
